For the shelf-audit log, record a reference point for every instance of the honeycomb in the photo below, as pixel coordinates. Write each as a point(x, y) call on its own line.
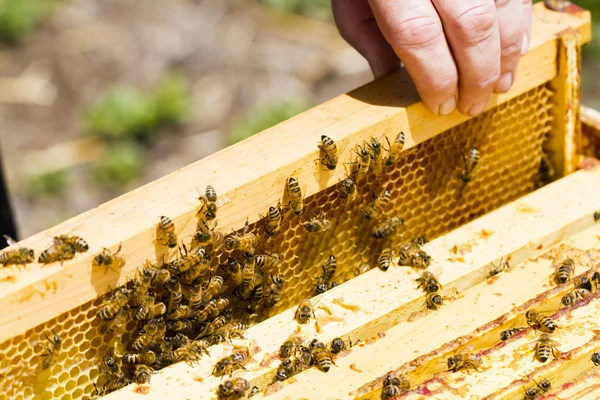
point(426, 191)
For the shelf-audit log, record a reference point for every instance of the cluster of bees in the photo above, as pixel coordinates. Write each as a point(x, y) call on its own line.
point(63, 248)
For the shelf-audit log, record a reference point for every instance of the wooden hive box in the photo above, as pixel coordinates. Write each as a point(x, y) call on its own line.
point(502, 213)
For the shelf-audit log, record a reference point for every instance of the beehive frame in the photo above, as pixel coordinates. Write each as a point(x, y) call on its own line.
point(251, 174)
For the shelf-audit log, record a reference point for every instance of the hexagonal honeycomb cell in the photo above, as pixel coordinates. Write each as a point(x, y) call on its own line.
point(426, 191)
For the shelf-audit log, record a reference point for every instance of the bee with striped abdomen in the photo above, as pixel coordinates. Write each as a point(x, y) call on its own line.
point(111, 307)
point(272, 221)
point(249, 280)
point(58, 251)
point(376, 149)
point(165, 232)
point(545, 347)
point(233, 388)
point(330, 152)
point(321, 356)
point(268, 261)
point(289, 346)
point(317, 223)
point(385, 259)
point(501, 266)
point(274, 292)
point(376, 208)
point(394, 149)
point(388, 227)
point(78, 243)
point(146, 358)
point(304, 312)
point(564, 271)
point(346, 189)
point(464, 361)
point(428, 282)
point(394, 386)
point(325, 281)
point(583, 282)
point(539, 322)
point(363, 163)
point(236, 360)
point(118, 323)
point(175, 294)
point(574, 296)
point(470, 163)
point(206, 233)
point(142, 373)
point(508, 333)
point(51, 351)
point(16, 256)
point(208, 207)
point(244, 242)
point(295, 197)
point(213, 289)
point(108, 259)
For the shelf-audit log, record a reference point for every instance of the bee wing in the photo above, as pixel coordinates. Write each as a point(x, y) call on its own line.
point(436, 269)
point(10, 241)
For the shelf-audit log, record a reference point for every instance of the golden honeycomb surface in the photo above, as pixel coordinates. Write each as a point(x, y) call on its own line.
point(426, 192)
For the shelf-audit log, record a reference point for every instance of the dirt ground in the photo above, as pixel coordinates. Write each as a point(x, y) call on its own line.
point(236, 56)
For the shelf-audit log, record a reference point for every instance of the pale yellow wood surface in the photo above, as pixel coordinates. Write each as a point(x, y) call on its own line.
point(389, 299)
point(251, 174)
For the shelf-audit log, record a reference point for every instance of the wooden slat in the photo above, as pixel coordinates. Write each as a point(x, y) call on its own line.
point(251, 174)
point(387, 300)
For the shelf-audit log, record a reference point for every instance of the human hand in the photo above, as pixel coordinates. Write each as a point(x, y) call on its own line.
point(456, 51)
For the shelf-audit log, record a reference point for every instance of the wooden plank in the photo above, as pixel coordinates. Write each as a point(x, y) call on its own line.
point(387, 300)
point(251, 174)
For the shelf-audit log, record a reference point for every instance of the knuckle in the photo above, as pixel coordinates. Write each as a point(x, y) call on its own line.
point(442, 85)
point(475, 24)
point(482, 83)
point(512, 48)
point(416, 31)
point(528, 2)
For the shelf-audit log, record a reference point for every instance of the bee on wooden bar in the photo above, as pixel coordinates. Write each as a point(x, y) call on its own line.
point(287, 369)
point(274, 294)
point(508, 333)
point(428, 282)
point(346, 189)
point(574, 296)
point(394, 386)
point(376, 165)
point(385, 259)
point(317, 223)
point(233, 388)
point(118, 323)
point(17, 256)
point(211, 327)
point(295, 197)
point(191, 352)
point(464, 361)
point(165, 232)
point(236, 360)
point(291, 344)
point(116, 383)
point(51, 351)
point(321, 356)
point(545, 347)
point(338, 345)
point(142, 373)
point(544, 385)
point(78, 243)
point(501, 266)
point(234, 329)
point(304, 312)
point(434, 301)
point(214, 288)
point(597, 216)
point(596, 358)
point(376, 208)
point(386, 228)
point(564, 271)
point(329, 149)
point(112, 306)
point(58, 251)
point(470, 162)
point(139, 358)
point(364, 161)
point(325, 281)
point(108, 259)
point(272, 221)
point(530, 393)
point(596, 278)
point(540, 322)
point(394, 149)
point(583, 282)
point(209, 207)
point(245, 242)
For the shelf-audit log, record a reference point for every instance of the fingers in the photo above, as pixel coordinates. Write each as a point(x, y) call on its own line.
point(358, 27)
point(471, 28)
point(511, 27)
point(414, 30)
point(527, 16)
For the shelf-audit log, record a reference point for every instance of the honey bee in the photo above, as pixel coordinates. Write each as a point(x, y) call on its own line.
point(317, 223)
point(329, 149)
point(139, 292)
point(206, 234)
point(464, 361)
point(596, 216)
point(428, 282)
point(146, 358)
point(256, 298)
point(385, 259)
point(248, 279)
point(394, 386)
point(209, 328)
point(295, 197)
point(377, 161)
point(364, 162)
point(236, 387)
point(182, 312)
point(115, 383)
point(215, 285)
point(583, 282)
point(304, 312)
point(272, 221)
point(58, 251)
point(112, 306)
point(545, 347)
point(224, 334)
point(321, 355)
point(388, 227)
point(346, 189)
point(109, 260)
point(78, 243)
point(236, 360)
point(213, 308)
point(540, 322)
point(376, 208)
point(194, 297)
point(326, 279)
point(51, 351)
point(287, 369)
point(209, 203)
point(497, 268)
point(574, 296)
point(338, 345)
point(154, 327)
point(564, 271)
point(508, 333)
point(530, 393)
point(266, 262)
point(111, 363)
point(148, 338)
point(244, 242)
point(395, 149)
point(157, 275)
point(150, 310)
point(190, 260)
point(290, 345)
point(470, 162)
point(18, 256)
point(596, 278)
point(274, 294)
point(142, 373)
point(434, 301)
point(544, 385)
point(118, 323)
point(165, 232)
point(596, 358)
point(546, 171)
point(175, 294)
point(233, 267)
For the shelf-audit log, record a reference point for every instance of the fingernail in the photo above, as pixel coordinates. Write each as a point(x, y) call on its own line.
point(504, 83)
point(477, 108)
point(448, 106)
point(524, 45)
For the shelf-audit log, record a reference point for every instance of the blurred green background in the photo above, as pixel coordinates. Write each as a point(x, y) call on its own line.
point(102, 96)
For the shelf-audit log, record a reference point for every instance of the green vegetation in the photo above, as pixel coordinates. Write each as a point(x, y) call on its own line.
point(320, 9)
point(49, 183)
point(20, 17)
point(122, 163)
point(263, 118)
